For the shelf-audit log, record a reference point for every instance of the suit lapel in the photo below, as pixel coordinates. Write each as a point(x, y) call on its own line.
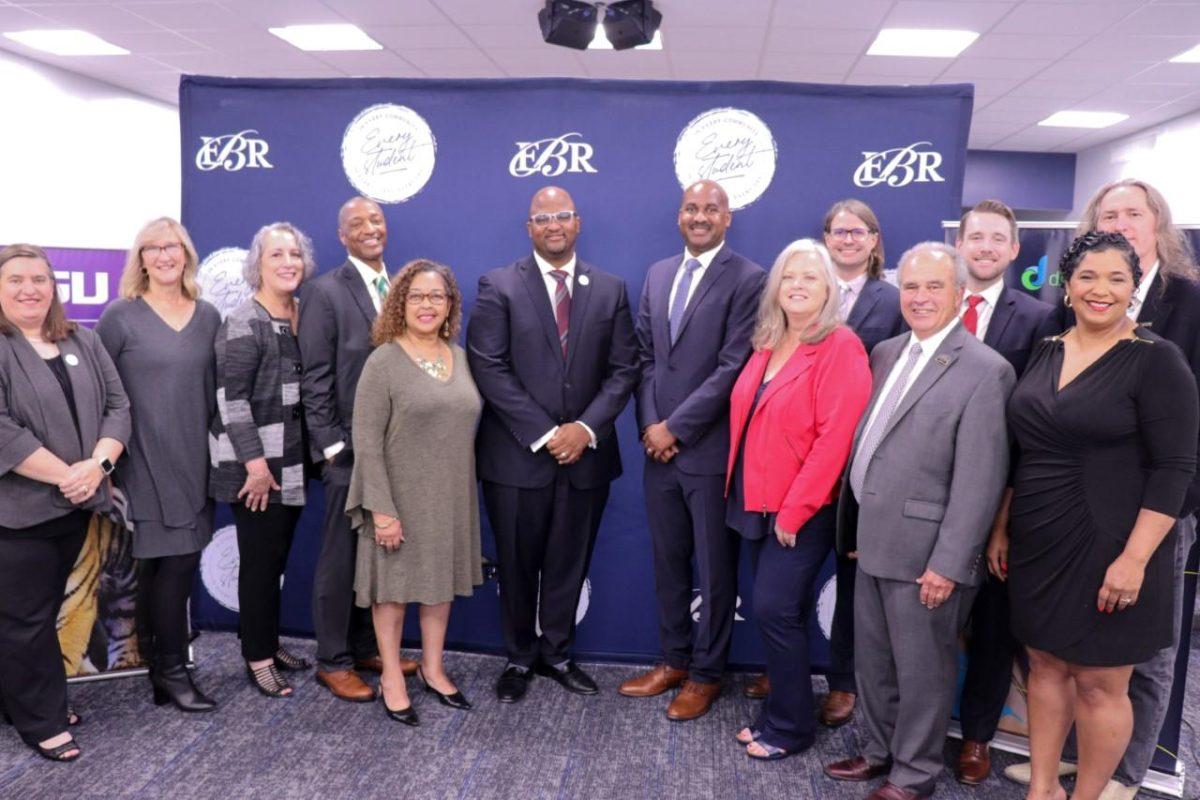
point(932, 372)
point(887, 361)
point(1002, 314)
point(867, 299)
point(581, 291)
point(81, 387)
point(535, 284)
point(51, 402)
point(1155, 312)
point(660, 304)
point(358, 290)
point(711, 276)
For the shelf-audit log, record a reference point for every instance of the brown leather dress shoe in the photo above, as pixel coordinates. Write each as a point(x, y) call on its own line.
point(653, 682)
point(837, 708)
point(346, 685)
point(375, 664)
point(974, 763)
point(890, 791)
point(758, 688)
point(694, 700)
point(856, 769)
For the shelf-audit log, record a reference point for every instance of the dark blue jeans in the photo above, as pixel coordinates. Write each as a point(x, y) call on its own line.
point(783, 602)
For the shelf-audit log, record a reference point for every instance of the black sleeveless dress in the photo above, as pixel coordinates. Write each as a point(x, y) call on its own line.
point(1119, 437)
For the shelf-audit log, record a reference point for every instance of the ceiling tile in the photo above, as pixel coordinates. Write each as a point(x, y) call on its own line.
point(1107, 71)
point(1164, 19)
point(418, 37)
point(833, 14)
point(1121, 45)
point(396, 12)
point(507, 36)
point(188, 16)
point(15, 19)
point(1186, 74)
point(276, 13)
point(811, 40)
point(985, 88)
point(711, 13)
point(883, 79)
point(155, 42)
point(1026, 45)
point(454, 63)
point(97, 19)
point(714, 65)
point(699, 40)
point(1059, 89)
point(541, 63)
point(797, 75)
point(825, 64)
point(972, 68)
point(370, 63)
point(646, 65)
point(1040, 138)
point(977, 17)
point(902, 67)
point(1085, 18)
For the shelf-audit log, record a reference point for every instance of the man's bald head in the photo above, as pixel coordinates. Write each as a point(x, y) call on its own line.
point(363, 230)
point(553, 225)
point(704, 216)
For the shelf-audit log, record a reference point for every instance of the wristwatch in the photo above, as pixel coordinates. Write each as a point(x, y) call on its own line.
point(106, 466)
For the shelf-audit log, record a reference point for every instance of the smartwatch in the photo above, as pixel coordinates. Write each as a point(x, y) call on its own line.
point(106, 466)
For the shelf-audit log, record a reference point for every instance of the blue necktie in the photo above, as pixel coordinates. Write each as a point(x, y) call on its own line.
point(679, 305)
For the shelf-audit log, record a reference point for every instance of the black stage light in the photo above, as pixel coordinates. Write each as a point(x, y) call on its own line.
point(569, 23)
point(630, 23)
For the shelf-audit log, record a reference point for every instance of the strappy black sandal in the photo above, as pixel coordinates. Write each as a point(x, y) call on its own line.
point(59, 753)
point(268, 681)
point(290, 662)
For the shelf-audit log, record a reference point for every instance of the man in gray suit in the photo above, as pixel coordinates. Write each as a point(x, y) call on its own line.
point(928, 467)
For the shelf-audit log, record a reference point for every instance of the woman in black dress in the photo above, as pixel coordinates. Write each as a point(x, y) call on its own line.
point(1105, 419)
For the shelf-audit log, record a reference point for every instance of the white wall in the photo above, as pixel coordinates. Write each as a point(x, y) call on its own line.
point(82, 163)
point(1167, 156)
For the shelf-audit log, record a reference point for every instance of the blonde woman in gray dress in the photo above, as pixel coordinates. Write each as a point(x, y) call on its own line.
point(412, 494)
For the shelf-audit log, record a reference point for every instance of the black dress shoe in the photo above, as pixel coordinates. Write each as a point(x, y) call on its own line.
point(455, 700)
point(512, 684)
point(407, 715)
point(570, 677)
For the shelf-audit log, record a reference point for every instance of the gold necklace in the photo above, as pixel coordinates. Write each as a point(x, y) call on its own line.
point(434, 368)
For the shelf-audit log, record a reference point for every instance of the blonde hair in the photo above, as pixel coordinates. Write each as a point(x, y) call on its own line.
point(1175, 257)
point(135, 280)
point(772, 321)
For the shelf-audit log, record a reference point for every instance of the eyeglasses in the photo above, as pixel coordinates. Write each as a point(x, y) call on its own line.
point(857, 234)
point(152, 250)
point(418, 298)
point(545, 219)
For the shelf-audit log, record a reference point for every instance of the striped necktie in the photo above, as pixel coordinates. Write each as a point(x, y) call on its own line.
point(562, 306)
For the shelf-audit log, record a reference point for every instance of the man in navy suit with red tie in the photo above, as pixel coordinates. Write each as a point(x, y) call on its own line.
point(695, 319)
point(552, 350)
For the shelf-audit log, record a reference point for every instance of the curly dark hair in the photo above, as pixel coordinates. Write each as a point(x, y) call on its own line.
point(390, 323)
point(1097, 242)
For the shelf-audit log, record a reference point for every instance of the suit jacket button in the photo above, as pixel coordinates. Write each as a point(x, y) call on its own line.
point(567, 385)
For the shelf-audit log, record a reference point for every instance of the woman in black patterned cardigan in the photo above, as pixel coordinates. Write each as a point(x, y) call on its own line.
point(256, 444)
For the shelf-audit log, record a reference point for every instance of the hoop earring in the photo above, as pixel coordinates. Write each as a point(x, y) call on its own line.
point(1067, 300)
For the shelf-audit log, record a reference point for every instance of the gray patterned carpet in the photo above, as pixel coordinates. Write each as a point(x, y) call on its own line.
point(552, 745)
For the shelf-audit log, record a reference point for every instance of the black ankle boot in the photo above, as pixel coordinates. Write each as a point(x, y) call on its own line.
point(173, 684)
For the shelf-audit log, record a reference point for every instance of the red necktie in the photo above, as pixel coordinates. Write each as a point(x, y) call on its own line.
point(970, 317)
point(562, 305)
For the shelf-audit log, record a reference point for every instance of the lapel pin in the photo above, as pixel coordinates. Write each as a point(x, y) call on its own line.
point(942, 360)
point(584, 280)
point(71, 359)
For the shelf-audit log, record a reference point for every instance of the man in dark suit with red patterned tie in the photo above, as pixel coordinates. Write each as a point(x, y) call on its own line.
point(551, 347)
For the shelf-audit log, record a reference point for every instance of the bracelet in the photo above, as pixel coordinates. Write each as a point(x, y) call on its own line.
point(379, 527)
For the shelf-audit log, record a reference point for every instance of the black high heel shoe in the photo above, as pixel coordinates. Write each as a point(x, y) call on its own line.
point(406, 715)
point(455, 700)
point(173, 684)
point(290, 662)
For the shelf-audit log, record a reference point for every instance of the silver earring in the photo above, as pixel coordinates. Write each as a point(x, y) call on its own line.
point(1067, 300)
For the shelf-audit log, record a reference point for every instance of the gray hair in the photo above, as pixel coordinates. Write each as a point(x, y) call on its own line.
point(934, 248)
point(252, 267)
point(772, 321)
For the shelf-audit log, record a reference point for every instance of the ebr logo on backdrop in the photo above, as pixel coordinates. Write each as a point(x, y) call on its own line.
point(388, 152)
point(730, 146)
point(899, 166)
point(552, 157)
point(233, 152)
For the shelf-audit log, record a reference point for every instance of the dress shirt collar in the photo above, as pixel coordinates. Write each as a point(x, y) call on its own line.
point(368, 274)
point(930, 345)
point(704, 258)
point(1143, 291)
point(991, 295)
point(546, 267)
point(855, 286)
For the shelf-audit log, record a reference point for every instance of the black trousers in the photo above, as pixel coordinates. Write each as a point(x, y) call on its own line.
point(264, 540)
point(841, 639)
point(34, 567)
point(164, 585)
point(344, 632)
point(687, 521)
point(990, 655)
point(544, 542)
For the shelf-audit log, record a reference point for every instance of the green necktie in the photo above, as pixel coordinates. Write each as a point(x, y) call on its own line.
point(381, 286)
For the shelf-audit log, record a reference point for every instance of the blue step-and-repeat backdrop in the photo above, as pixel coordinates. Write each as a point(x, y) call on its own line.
point(454, 164)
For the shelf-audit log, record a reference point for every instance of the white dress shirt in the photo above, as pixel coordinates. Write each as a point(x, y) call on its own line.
point(848, 294)
point(983, 311)
point(928, 348)
point(551, 290)
point(1139, 297)
point(369, 276)
point(705, 260)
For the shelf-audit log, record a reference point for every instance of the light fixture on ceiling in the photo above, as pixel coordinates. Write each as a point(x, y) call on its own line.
point(67, 43)
point(1188, 56)
point(576, 24)
point(326, 37)
point(1083, 119)
point(921, 42)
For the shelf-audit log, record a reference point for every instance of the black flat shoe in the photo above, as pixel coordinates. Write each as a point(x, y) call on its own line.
point(59, 753)
point(570, 677)
point(455, 700)
point(513, 683)
point(406, 715)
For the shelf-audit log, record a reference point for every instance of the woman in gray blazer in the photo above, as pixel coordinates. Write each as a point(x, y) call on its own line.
point(64, 421)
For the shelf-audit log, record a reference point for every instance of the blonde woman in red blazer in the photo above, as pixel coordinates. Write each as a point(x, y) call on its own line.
point(792, 417)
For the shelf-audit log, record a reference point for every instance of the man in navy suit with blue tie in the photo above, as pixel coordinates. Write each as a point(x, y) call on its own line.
point(695, 319)
point(552, 351)
point(1011, 323)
